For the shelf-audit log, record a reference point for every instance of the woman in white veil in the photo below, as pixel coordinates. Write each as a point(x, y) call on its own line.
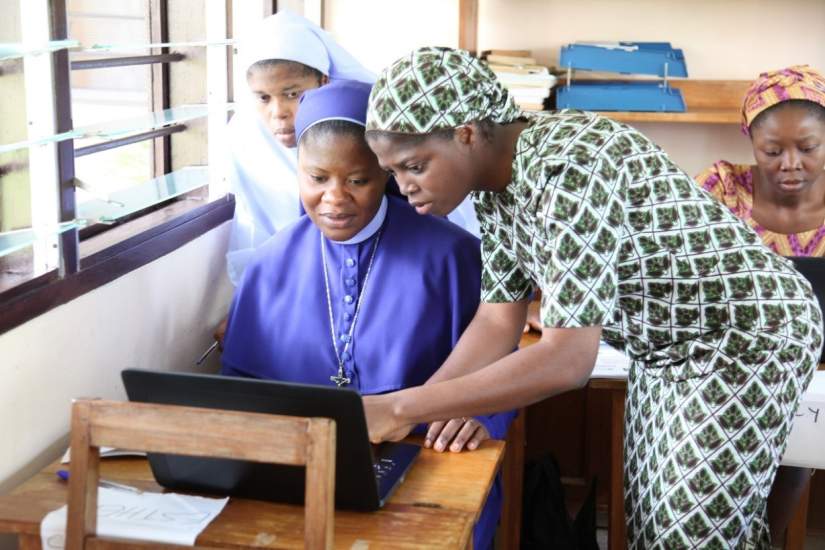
point(261, 163)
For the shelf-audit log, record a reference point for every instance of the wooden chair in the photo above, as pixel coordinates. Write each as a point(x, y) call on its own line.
point(199, 432)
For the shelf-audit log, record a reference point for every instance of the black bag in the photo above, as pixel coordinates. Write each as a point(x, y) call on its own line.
point(545, 521)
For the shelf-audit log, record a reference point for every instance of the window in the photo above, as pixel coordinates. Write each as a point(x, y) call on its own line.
point(101, 157)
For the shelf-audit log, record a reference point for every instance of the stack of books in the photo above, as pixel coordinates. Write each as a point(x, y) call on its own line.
point(517, 70)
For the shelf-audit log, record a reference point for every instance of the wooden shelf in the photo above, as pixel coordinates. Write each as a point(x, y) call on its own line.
point(708, 102)
point(695, 116)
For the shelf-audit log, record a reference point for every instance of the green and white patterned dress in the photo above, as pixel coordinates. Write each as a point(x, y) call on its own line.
point(723, 334)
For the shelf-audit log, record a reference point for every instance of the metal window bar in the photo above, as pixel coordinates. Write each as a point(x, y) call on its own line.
point(69, 240)
point(33, 48)
point(105, 63)
point(118, 128)
point(161, 96)
point(96, 48)
point(129, 140)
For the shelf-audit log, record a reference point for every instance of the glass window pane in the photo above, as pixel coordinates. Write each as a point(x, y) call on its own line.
point(15, 211)
point(102, 95)
point(110, 94)
point(108, 171)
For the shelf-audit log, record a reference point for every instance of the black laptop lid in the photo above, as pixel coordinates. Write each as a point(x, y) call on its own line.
point(355, 485)
point(814, 270)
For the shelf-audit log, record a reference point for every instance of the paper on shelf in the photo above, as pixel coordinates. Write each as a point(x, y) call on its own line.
point(154, 517)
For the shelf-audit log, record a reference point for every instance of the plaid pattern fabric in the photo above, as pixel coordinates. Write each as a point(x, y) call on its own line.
point(437, 89)
point(723, 333)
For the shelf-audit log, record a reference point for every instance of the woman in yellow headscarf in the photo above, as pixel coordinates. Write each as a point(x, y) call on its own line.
point(782, 196)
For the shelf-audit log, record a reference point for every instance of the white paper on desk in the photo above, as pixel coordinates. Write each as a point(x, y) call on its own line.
point(154, 517)
point(610, 363)
point(806, 444)
point(105, 452)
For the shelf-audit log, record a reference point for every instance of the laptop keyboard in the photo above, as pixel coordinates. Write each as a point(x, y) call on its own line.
point(382, 467)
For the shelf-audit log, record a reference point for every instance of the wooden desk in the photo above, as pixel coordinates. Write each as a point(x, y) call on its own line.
point(436, 506)
point(616, 528)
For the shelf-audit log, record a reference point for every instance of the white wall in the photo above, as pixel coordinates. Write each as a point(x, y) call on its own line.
point(722, 39)
point(377, 32)
point(160, 316)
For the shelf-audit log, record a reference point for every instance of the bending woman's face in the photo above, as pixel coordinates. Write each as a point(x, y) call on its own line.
point(277, 90)
point(340, 183)
point(789, 148)
point(435, 173)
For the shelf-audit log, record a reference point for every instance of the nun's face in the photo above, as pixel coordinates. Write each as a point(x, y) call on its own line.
point(340, 183)
point(277, 90)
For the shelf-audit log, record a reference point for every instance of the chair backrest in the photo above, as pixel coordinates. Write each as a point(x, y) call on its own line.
point(200, 432)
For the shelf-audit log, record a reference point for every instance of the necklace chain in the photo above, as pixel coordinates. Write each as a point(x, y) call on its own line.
point(340, 379)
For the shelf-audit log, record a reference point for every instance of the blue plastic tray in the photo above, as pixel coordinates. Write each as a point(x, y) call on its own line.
point(648, 58)
point(620, 96)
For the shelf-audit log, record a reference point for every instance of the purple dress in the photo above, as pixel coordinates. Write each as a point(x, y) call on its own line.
point(421, 294)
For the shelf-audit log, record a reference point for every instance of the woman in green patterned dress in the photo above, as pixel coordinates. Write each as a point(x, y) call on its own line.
point(722, 333)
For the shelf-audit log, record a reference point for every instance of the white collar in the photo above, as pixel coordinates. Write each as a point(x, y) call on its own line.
point(369, 229)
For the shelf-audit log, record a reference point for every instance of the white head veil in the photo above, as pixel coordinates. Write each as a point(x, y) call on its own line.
point(288, 36)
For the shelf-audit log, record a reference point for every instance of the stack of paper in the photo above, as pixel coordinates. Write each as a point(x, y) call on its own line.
point(529, 83)
point(610, 363)
point(154, 517)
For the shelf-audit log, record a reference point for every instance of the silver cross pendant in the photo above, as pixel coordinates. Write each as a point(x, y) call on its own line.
point(339, 379)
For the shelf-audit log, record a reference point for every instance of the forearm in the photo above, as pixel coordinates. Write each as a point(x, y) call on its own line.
point(492, 334)
point(552, 366)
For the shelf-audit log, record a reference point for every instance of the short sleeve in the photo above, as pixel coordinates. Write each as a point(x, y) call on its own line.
point(582, 217)
point(502, 280)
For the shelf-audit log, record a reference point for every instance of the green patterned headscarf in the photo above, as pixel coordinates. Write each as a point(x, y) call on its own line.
point(437, 89)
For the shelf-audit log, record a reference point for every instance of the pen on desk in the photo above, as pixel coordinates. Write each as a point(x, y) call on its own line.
point(207, 352)
point(64, 475)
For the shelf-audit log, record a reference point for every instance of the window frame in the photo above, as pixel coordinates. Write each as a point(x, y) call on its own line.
point(171, 224)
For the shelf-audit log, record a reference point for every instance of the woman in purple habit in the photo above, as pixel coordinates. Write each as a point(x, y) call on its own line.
point(362, 291)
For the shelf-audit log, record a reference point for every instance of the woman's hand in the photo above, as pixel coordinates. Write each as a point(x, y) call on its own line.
point(381, 421)
point(220, 332)
point(533, 317)
point(457, 433)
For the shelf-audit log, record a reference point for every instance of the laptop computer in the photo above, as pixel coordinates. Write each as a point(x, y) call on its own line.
point(364, 476)
point(814, 270)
